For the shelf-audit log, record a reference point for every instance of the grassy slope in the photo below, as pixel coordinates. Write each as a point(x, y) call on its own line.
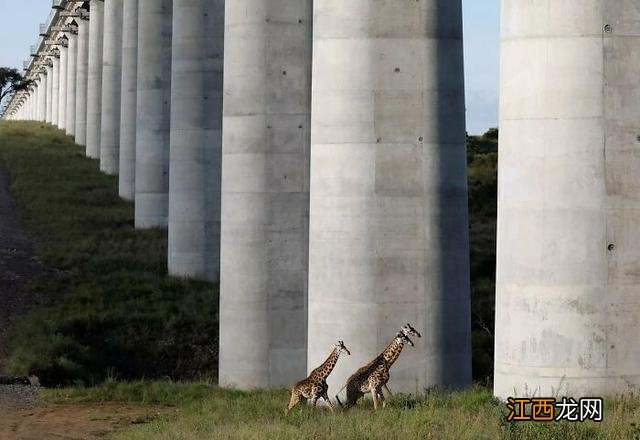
point(204, 411)
point(113, 310)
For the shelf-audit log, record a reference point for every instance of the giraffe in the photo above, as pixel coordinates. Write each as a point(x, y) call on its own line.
point(315, 386)
point(374, 376)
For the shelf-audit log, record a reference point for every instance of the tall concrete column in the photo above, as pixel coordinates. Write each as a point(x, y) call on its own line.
point(129, 90)
point(153, 113)
point(389, 217)
point(111, 87)
point(82, 63)
point(48, 115)
point(42, 97)
point(568, 262)
point(196, 139)
point(94, 79)
point(62, 99)
point(36, 100)
point(265, 193)
point(72, 54)
point(55, 92)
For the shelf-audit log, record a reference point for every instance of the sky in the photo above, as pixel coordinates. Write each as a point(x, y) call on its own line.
point(19, 30)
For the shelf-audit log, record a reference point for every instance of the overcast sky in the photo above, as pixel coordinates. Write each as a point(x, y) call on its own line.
point(19, 30)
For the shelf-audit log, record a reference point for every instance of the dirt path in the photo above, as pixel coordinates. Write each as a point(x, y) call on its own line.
point(17, 264)
point(72, 422)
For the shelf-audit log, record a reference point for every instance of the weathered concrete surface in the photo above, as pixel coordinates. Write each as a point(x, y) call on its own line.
point(82, 64)
point(49, 94)
point(42, 97)
point(389, 217)
point(127, 171)
point(111, 88)
point(196, 139)
point(94, 81)
point(55, 93)
point(62, 94)
point(153, 113)
point(265, 193)
point(568, 270)
point(72, 58)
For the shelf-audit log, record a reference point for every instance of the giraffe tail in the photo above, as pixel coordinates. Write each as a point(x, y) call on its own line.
point(340, 403)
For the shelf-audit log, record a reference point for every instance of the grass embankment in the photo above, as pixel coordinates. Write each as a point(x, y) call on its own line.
point(206, 412)
point(112, 309)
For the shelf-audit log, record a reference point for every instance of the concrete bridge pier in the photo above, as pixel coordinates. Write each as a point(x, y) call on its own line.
point(389, 217)
point(62, 98)
point(265, 193)
point(82, 63)
point(568, 261)
point(72, 58)
point(55, 92)
point(42, 115)
point(196, 139)
point(111, 87)
point(49, 69)
point(94, 79)
point(127, 167)
point(153, 113)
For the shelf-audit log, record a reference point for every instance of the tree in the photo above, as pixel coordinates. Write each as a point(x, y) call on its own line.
point(12, 81)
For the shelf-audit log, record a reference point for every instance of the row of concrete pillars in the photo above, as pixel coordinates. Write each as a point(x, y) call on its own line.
point(319, 176)
point(322, 176)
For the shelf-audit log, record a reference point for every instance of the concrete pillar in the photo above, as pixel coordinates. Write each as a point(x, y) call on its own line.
point(129, 90)
point(82, 63)
point(72, 54)
point(388, 238)
point(55, 92)
point(62, 99)
point(111, 87)
point(42, 97)
point(48, 115)
point(36, 100)
point(94, 79)
point(196, 139)
point(265, 193)
point(153, 113)
point(567, 310)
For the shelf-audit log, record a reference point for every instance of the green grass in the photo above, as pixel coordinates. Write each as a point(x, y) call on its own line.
point(111, 309)
point(205, 411)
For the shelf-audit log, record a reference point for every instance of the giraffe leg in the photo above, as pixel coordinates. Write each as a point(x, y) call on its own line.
point(388, 390)
point(381, 397)
point(374, 394)
point(326, 398)
point(295, 399)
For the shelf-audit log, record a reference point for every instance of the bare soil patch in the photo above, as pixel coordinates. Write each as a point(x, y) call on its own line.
point(86, 421)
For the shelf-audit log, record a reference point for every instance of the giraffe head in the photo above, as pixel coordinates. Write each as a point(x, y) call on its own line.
point(408, 330)
point(342, 348)
point(402, 339)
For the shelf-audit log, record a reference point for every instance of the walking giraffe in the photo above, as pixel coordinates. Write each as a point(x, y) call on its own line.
point(315, 386)
point(374, 376)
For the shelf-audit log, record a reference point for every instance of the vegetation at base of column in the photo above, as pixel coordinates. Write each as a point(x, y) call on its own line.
point(108, 306)
point(482, 159)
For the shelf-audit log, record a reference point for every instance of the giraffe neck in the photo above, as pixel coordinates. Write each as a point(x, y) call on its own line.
point(392, 352)
point(324, 370)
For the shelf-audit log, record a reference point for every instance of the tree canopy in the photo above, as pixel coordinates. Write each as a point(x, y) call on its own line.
point(11, 81)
